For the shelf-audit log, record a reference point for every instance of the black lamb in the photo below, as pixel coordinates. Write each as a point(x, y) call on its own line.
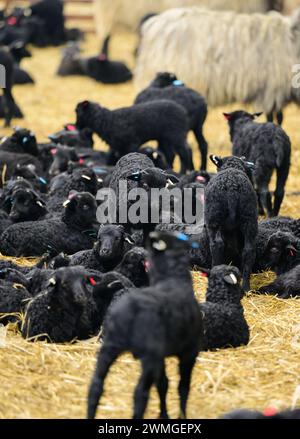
point(64, 310)
point(126, 129)
point(269, 147)
point(154, 323)
point(112, 243)
point(68, 234)
point(107, 291)
point(80, 180)
point(100, 67)
point(71, 136)
point(231, 216)
point(167, 86)
point(282, 252)
point(285, 224)
point(286, 285)
point(13, 300)
point(223, 314)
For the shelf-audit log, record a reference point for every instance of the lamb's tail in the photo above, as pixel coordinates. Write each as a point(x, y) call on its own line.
point(107, 355)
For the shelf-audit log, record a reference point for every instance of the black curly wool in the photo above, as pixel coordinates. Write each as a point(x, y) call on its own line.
point(68, 234)
point(190, 100)
point(153, 323)
point(231, 216)
point(64, 310)
point(269, 148)
point(13, 300)
point(126, 129)
point(223, 314)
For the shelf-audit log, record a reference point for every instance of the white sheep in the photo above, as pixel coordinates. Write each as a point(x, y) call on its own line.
point(227, 57)
point(110, 13)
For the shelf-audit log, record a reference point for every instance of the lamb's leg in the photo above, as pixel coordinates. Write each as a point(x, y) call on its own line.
point(9, 105)
point(282, 176)
point(183, 152)
point(186, 365)
point(280, 117)
point(217, 246)
point(191, 166)
point(270, 117)
point(168, 152)
point(276, 287)
point(106, 358)
point(266, 199)
point(150, 373)
point(162, 388)
point(203, 146)
point(248, 255)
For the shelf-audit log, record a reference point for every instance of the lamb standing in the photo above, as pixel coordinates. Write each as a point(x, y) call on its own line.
point(154, 323)
point(231, 216)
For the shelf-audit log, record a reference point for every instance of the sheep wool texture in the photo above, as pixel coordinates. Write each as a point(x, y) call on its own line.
point(249, 57)
point(108, 14)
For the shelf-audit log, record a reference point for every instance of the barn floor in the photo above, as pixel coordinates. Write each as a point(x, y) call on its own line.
point(51, 381)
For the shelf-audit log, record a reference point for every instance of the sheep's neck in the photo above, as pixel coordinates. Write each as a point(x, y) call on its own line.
point(175, 268)
point(101, 123)
point(236, 126)
point(72, 222)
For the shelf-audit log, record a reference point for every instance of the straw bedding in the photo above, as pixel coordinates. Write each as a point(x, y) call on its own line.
point(40, 380)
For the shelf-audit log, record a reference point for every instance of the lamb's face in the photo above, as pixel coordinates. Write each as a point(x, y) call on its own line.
point(110, 241)
point(70, 286)
point(136, 260)
point(26, 205)
point(84, 180)
point(280, 250)
point(62, 157)
point(83, 110)
point(27, 140)
point(81, 207)
point(110, 283)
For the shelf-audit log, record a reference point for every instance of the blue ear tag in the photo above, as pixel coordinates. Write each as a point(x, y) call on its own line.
point(42, 180)
point(99, 170)
point(195, 245)
point(178, 83)
point(25, 140)
point(182, 237)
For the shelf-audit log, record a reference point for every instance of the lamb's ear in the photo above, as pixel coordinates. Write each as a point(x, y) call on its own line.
point(291, 250)
point(256, 115)
point(227, 116)
point(85, 104)
point(172, 178)
point(52, 283)
point(216, 160)
point(204, 272)
point(115, 284)
point(231, 279)
point(129, 239)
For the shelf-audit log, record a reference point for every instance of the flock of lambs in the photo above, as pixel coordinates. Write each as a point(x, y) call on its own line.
point(131, 283)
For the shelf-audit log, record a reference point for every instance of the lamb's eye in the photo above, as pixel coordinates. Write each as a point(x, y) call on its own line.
point(274, 250)
point(85, 207)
